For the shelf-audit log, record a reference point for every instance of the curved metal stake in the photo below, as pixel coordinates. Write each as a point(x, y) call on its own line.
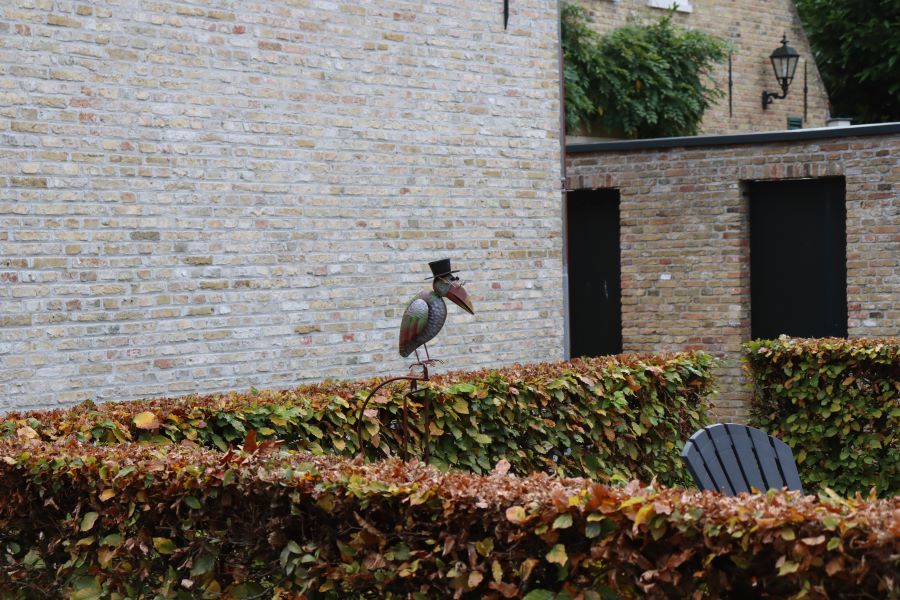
point(426, 451)
point(413, 379)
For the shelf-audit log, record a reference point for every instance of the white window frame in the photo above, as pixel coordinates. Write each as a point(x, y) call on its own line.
point(682, 5)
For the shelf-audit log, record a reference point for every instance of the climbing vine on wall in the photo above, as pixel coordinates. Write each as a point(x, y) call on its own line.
point(641, 80)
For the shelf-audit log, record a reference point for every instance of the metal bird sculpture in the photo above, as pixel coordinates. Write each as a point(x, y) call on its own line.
point(425, 315)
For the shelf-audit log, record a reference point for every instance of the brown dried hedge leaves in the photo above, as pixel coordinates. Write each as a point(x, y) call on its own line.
point(136, 520)
point(220, 496)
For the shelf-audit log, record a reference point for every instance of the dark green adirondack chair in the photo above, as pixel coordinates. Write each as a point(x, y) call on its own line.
point(732, 458)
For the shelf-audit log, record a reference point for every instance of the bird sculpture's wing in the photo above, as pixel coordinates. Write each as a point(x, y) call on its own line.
point(414, 320)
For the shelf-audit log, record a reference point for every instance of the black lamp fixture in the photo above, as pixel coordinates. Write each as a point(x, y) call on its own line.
point(784, 61)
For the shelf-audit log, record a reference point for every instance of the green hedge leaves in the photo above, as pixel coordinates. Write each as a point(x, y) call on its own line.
point(836, 403)
point(611, 418)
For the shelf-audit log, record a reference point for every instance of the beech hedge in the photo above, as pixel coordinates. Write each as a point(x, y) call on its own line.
point(83, 521)
point(611, 418)
point(836, 403)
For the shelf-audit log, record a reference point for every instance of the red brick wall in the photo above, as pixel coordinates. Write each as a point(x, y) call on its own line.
point(685, 239)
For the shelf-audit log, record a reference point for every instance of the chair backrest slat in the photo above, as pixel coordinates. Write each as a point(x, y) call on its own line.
point(730, 463)
point(733, 458)
point(743, 447)
point(697, 467)
point(788, 465)
point(707, 449)
point(768, 460)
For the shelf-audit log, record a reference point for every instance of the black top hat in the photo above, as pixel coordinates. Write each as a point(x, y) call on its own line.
point(440, 268)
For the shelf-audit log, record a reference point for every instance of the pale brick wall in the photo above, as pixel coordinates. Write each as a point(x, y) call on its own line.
point(685, 239)
point(753, 29)
point(207, 196)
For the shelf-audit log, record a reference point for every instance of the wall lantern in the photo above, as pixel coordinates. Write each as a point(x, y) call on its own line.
point(784, 61)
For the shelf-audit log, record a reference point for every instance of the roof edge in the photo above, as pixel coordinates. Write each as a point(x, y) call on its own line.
point(792, 135)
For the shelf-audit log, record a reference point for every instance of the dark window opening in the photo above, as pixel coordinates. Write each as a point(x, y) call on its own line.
point(798, 258)
point(595, 298)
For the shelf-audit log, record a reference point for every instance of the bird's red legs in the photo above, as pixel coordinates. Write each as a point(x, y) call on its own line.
point(428, 360)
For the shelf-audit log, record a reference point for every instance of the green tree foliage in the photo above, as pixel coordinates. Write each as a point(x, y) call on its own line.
point(641, 80)
point(857, 48)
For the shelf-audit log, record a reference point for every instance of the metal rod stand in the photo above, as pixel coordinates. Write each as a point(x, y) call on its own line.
point(404, 421)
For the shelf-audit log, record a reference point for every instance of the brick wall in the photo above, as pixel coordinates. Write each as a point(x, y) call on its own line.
point(753, 29)
point(685, 243)
point(207, 196)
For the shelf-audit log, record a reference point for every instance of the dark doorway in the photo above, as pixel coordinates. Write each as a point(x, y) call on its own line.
point(595, 298)
point(798, 258)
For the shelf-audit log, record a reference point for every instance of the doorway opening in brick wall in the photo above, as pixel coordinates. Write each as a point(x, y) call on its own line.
point(595, 294)
point(798, 257)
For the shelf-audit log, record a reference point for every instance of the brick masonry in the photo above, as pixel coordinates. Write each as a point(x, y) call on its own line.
point(686, 248)
point(198, 197)
point(753, 29)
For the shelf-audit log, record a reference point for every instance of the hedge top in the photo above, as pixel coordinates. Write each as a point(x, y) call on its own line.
point(836, 402)
point(618, 418)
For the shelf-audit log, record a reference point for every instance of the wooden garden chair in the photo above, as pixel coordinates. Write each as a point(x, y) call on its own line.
point(732, 458)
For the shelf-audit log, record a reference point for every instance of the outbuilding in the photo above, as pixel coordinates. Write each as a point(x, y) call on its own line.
point(707, 242)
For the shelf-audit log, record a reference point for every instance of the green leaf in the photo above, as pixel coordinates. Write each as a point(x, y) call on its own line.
point(164, 545)
point(315, 431)
point(113, 540)
point(86, 588)
point(563, 521)
point(245, 591)
point(88, 520)
point(461, 388)
point(481, 438)
point(203, 564)
point(193, 502)
point(788, 567)
point(539, 594)
point(485, 547)
point(123, 472)
point(592, 530)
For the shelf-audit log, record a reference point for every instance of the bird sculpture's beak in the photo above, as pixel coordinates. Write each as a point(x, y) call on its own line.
point(458, 295)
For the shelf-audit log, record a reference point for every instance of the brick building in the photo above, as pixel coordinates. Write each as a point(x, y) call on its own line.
point(211, 196)
point(721, 239)
point(753, 29)
point(196, 199)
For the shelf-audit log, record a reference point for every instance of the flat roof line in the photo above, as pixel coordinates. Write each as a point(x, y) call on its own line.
point(791, 135)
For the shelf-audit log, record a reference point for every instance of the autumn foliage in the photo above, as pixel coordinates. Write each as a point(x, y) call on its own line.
point(247, 496)
point(132, 520)
point(836, 402)
point(609, 419)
